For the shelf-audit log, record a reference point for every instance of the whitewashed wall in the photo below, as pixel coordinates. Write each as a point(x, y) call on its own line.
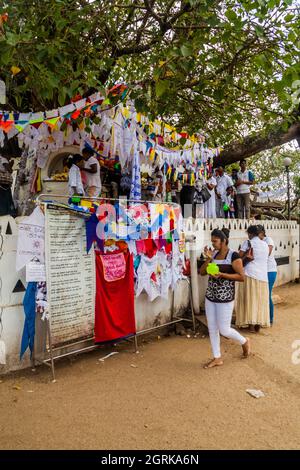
point(148, 314)
point(12, 288)
point(284, 233)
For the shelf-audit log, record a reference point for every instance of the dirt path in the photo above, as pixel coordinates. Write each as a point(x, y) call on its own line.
point(167, 401)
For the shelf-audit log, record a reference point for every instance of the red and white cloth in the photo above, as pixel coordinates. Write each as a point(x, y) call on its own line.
point(114, 310)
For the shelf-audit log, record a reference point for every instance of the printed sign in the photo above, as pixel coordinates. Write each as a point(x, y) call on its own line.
point(35, 272)
point(114, 267)
point(70, 277)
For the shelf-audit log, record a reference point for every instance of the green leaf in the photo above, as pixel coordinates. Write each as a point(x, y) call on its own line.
point(12, 39)
point(186, 50)
point(5, 55)
point(231, 15)
point(161, 87)
point(259, 30)
point(18, 99)
point(219, 94)
point(62, 95)
point(288, 17)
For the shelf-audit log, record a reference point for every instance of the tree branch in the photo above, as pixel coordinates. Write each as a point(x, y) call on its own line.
point(251, 145)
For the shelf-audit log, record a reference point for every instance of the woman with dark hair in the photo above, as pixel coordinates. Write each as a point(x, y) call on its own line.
point(220, 294)
point(272, 267)
point(210, 204)
point(186, 199)
point(75, 182)
point(252, 306)
point(92, 169)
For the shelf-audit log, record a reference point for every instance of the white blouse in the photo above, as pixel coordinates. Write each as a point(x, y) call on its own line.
point(272, 265)
point(75, 181)
point(257, 268)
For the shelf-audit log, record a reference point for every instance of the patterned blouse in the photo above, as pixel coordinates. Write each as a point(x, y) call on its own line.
point(222, 290)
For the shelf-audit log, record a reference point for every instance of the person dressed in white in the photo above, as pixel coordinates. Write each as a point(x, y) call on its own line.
point(245, 179)
point(220, 293)
point(75, 183)
point(223, 183)
point(92, 170)
point(272, 267)
point(210, 204)
point(252, 307)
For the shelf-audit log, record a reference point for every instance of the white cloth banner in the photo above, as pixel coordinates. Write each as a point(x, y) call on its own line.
point(136, 188)
point(35, 272)
point(264, 184)
point(267, 194)
point(31, 239)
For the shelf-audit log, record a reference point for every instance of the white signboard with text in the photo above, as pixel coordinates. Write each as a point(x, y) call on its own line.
point(70, 277)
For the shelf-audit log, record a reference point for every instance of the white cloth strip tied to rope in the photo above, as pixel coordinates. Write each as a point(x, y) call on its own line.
point(264, 184)
point(268, 194)
point(135, 191)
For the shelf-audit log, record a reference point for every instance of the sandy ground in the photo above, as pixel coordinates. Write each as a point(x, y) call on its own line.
point(167, 401)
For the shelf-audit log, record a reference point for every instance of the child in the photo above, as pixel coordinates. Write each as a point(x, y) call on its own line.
point(229, 203)
point(75, 182)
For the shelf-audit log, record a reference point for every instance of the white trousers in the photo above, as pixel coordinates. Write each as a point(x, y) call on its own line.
point(219, 322)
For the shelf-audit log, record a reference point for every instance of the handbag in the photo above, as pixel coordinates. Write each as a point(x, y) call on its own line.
point(6, 178)
point(248, 255)
point(205, 194)
point(198, 198)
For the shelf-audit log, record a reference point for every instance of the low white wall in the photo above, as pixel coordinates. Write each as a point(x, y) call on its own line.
point(148, 314)
point(284, 233)
point(11, 309)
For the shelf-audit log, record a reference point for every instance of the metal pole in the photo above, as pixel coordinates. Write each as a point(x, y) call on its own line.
point(101, 199)
point(288, 192)
point(51, 350)
point(136, 346)
point(33, 361)
point(192, 307)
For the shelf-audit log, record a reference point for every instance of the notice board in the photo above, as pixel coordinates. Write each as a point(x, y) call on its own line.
point(70, 273)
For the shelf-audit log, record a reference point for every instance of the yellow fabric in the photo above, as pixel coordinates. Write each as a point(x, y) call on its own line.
point(39, 181)
point(252, 303)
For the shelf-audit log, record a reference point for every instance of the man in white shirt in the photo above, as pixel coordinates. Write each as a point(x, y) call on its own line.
point(92, 170)
point(223, 183)
point(244, 181)
point(75, 181)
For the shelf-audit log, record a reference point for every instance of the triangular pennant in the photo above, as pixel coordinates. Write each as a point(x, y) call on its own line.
point(52, 122)
point(21, 127)
point(6, 125)
point(19, 287)
point(8, 229)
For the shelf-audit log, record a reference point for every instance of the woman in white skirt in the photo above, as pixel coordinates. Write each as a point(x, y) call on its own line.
point(252, 305)
point(210, 204)
point(220, 294)
point(272, 267)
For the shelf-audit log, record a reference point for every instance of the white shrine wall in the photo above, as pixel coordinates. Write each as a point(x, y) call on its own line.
point(148, 314)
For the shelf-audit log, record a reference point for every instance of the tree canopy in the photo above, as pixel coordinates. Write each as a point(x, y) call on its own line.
point(226, 68)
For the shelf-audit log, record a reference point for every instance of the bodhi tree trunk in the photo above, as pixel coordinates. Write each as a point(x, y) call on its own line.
point(251, 145)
